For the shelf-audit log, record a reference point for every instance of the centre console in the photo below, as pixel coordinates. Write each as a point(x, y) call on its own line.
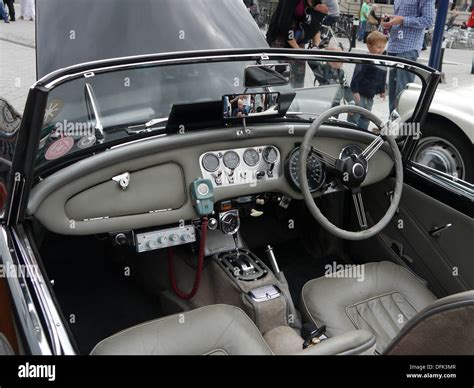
point(244, 279)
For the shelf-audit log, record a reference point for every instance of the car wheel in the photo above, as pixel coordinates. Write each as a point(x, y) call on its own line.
point(343, 40)
point(445, 149)
point(10, 120)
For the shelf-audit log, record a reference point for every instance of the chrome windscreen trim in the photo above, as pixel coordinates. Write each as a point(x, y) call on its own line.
point(60, 338)
point(97, 67)
point(444, 180)
point(28, 317)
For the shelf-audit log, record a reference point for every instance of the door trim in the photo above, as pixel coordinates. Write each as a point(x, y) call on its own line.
point(453, 192)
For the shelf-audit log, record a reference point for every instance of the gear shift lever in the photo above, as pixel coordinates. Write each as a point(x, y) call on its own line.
point(236, 242)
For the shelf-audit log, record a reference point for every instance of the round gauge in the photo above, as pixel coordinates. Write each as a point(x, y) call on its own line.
point(230, 223)
point(270, 155)
point(315, 170)
point(231, 160)
point(251, 157)
point(210, 162)
point(350, 150)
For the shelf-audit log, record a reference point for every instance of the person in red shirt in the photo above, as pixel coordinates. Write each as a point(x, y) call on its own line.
point(470, 22)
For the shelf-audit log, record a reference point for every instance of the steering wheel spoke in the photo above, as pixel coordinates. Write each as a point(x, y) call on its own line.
point(324, 157)
point(359, 207)
point(373, 147)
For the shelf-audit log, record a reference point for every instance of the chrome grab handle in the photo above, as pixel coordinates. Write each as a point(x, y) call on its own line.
point(436, 231)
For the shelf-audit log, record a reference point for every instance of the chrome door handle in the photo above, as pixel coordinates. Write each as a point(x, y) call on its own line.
point(436, 231)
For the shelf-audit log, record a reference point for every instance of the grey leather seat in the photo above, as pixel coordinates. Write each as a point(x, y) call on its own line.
point(210, 330)
point(381, 302)
point(445, 327)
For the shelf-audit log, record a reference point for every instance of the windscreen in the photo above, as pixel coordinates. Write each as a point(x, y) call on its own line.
point(112, 107)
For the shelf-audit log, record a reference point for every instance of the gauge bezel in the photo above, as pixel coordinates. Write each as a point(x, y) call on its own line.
point(349, 146)
point(231, 152)
point(265, 157)
point(204, 158)
point(290, 177)
point(251, 150)
point(232, 213)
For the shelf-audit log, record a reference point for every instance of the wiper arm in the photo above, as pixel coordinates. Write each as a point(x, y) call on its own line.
point(146, 127)
point(301, 113)
point(153, 122)
point(93, 112)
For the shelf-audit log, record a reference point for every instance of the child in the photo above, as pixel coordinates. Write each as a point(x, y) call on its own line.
point(331, 73)
point(368, 80)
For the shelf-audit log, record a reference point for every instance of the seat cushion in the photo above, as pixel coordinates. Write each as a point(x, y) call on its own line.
point(380, 301)
point(210, 330)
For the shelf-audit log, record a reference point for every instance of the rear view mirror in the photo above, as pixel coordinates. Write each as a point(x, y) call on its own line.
point(251, 105)
point(267, 75)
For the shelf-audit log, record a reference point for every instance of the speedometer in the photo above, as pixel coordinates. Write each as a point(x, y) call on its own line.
point(315, 170)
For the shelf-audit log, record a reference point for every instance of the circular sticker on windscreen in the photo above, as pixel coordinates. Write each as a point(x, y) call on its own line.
point(59, 148)
point(86, 142)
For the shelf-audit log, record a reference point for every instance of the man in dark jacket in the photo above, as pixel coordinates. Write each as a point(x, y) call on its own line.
point(11, 8)
point(253, 8)
point(288, 17)
point(293, 24)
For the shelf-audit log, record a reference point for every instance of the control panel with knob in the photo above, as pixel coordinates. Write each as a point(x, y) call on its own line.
point(242, 166)
point(165, 238)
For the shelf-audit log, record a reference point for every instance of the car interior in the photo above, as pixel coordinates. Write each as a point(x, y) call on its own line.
point(264, 252)
point(221, 242)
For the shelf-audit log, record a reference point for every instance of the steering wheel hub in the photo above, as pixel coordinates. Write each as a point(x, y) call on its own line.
point(352, 171)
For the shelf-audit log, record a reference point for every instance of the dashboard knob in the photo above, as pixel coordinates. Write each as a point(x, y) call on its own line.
point(152, 244)
point(212, 224)
point(260, 174)
point(121, 239)
point(185, 237)
point(174, 237)
point(161, 239)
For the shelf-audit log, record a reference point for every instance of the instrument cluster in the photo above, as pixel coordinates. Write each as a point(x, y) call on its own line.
point(241, 166)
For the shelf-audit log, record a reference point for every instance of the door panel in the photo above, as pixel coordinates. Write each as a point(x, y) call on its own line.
point(5, 348)
point(8, 337)
point(446, 261)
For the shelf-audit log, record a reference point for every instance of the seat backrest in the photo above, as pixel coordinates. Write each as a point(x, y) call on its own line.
point(445, 327)
point(210, 330)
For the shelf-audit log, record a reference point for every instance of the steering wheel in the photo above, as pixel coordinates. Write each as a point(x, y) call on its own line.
point(351, 172)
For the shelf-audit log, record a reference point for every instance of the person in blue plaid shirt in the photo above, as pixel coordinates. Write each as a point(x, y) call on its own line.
point(407, 27)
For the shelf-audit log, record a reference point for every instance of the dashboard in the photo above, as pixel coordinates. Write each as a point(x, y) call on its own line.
point(88, 197)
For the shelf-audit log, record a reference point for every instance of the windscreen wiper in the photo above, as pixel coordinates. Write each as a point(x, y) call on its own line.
point(149, 126)
point(93, 113)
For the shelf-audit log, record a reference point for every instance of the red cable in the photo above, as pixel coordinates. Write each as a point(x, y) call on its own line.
point(197, 280)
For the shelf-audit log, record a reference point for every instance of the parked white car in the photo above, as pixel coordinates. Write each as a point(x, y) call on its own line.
point(448, 134)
